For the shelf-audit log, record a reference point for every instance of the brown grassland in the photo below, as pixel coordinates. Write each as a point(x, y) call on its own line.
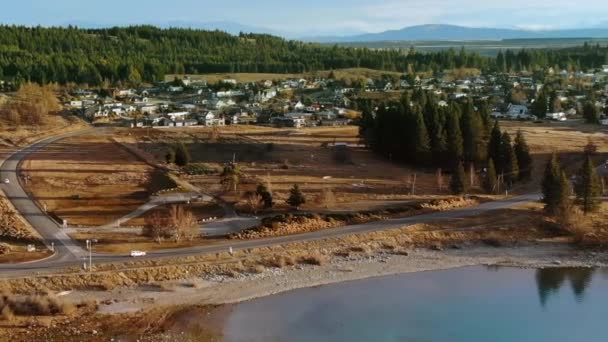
point(340, 74)
point(88, 180)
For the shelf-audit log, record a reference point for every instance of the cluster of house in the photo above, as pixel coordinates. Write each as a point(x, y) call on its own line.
point(310, 102)
point(189, 103)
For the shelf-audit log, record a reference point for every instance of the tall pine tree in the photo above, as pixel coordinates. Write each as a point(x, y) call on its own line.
point(458, 183)
point(588, 187)
point(455, 152)
point(511, 167)
point(494, 148)
point(489, 182)
point(552, 186)
point(472, 134)
point(524, 160)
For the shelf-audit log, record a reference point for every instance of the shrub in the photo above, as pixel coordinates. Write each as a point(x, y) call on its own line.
point(313, 259)
point(170, 156)
point(11, 305)
point(182, 156)
point(326, 198)
point(7, 314)
point(576, 223)
point(296, 197)
point(197, 169)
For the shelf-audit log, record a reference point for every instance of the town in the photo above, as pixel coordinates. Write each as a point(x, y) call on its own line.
point(327, 101)
point(173, 183)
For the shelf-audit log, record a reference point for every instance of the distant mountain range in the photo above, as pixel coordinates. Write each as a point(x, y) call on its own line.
point(452, 32)
point(432, 32)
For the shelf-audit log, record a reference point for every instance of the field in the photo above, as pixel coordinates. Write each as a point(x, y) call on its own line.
point(567, 139)
point(340, 74)
point(281, 158)
point(88, 180)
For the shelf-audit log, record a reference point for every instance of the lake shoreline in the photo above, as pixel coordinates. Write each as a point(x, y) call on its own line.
point(171, 310)
point(221, 290)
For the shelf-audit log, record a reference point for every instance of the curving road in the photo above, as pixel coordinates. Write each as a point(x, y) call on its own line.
point(68, 253)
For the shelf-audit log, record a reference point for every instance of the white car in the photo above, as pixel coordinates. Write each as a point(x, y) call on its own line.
point(6, 181)
point(136, 254)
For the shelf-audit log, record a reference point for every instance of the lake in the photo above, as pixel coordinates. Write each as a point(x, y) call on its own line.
point(467, 304)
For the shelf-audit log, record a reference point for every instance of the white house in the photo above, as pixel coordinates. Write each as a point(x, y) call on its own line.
point(265, 95)
point(148, 109)
point(178, 115)
point(605, 68)
point(175, 89)
point(229, 81)
point(76, 103)
point(517, 111)
point(210, 120)
point(125, 92)
point(299, 106)
point(558, 116)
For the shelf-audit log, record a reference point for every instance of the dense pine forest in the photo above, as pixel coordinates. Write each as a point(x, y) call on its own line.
point(146, 54)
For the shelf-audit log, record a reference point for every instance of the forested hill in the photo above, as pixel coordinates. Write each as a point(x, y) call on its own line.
point(146, 53)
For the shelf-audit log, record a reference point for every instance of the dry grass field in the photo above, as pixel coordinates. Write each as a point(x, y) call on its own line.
point(340, 74)
point(88, 180)
point(284, 157)
point(566, 139)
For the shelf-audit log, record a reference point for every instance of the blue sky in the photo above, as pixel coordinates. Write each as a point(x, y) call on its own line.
point(313, 17)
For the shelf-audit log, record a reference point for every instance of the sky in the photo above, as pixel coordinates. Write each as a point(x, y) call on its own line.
point(312, 17)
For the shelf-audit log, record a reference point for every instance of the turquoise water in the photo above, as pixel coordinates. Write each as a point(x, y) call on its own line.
point(469, 304)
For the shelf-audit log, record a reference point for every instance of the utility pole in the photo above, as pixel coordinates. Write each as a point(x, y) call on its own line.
point(90, 248)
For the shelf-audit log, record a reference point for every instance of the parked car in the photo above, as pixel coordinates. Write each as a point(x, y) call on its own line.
point(136, 254)
point(6, 181)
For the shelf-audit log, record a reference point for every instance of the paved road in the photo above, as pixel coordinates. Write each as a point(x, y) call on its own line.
point(50, 230)
point(156, 202)
point(70, 254)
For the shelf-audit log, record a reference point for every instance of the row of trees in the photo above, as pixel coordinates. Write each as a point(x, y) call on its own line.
point(145, 54)
point(558, 190)
point(457, 137)
point(417, 130)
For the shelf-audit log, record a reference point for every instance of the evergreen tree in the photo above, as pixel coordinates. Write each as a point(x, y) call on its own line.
point(539, 107)
point(591, 113)
point(588, 188)
point(296, 197)
point(458, 183)
point(266, 195)
point(170, 156)
point(490, 181)
point(495, 149)
point(551, 185)
point(182, 156)
point(472, 134)
point(455, 148)
point(421, 146)
point(564, 203)
point(524, 160)
point(511, 166)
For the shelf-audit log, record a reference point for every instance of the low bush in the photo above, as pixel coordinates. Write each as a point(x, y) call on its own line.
point(11, 305)
point(279, 261)
point(313, 259)
point(198, 169)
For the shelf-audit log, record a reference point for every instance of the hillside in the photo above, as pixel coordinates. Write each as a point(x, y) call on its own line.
point(146, 54)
